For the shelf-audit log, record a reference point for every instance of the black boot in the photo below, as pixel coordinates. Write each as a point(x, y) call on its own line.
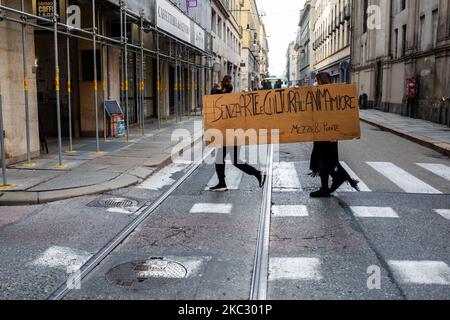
point(324, 192)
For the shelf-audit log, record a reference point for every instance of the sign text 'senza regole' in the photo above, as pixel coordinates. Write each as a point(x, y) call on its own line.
point(323, 113)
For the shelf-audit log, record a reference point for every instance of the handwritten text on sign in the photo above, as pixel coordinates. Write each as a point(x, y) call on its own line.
point(323, 113)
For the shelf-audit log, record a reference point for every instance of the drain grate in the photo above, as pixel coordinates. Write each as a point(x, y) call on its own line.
point(143, 275)
point(114, 202)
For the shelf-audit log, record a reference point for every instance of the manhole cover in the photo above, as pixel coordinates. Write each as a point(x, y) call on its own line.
point(114, 202)
point(146, 274)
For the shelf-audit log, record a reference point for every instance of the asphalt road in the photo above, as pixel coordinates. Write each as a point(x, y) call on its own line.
point(390, 241)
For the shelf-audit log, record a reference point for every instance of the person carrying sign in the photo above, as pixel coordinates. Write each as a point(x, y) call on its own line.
point(325, 160)
point(221, 153)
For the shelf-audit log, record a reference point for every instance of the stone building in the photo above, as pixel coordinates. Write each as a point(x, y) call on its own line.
point(252, 47)
point(227, 33)
point(170, 32)
point(396, 43)
point(331, 38)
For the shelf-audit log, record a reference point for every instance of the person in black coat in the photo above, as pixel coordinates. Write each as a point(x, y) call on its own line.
point(227, 87)
point(325, 160)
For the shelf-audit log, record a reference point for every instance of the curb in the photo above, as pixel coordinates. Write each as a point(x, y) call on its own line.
point(439, 146)
point(15, 198)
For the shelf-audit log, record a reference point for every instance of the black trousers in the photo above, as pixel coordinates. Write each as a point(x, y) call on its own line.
point(234, 154)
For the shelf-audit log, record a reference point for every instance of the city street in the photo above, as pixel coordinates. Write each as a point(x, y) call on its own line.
point(199, 245)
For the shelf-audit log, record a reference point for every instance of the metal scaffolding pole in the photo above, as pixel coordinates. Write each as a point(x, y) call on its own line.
point(25, 89)
point(94, 28)
point(57, 85)
point(2, 145)
point(142, 85)
point(69, 97)
point(126, 72)
point(158, 84)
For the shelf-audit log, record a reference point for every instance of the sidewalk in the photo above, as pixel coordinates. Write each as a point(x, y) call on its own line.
point(428, 134)
point(122, 164)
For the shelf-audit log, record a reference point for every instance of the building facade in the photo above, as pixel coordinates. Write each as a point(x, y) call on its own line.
point(331, 38)
point(227, 34)
point(399, 43)
point(291, 65)
point(251, 46)
point(152, 57)
point(304, 46)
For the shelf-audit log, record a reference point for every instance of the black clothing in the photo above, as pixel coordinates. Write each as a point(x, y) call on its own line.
point(234, 155)
point(325, 163)
point(222, 153)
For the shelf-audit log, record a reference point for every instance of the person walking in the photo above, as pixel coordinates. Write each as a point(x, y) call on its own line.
point(325, 160)
point(221, 153)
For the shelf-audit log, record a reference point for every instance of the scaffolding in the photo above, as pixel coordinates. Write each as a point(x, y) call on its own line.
point(180, 57)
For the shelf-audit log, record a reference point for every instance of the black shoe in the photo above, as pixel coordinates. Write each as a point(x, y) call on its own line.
point(262, 179)
point(219, 188)
point(322, 193)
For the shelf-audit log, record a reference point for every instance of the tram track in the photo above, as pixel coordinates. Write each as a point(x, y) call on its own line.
point(96, 259)
point(258, 289)
point(260, 269)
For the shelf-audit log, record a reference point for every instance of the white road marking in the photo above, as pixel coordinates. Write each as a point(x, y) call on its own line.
point(346, 187)
point(162, 178)
point(220, 208)
point(440, 170)
point(290, 211)
point(445, 213)
point(294, 269)
point(193, 264)
point(403, 179)
point(374, 212)
point(421, 272)
point(62, 258)
point(233, 177)
point(285, 178)
point(129, 210)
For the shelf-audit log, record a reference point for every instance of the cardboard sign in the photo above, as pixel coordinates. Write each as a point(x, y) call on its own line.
point(323, 113)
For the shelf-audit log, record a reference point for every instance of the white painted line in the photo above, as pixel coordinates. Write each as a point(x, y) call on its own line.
point(193, 264)
point(374, 212)
point(220, 208)
point(421, 272)
point(346, 187)
point(290, 211)
point(233, 177)
point(62, 258)
point(445, 213)
point(403, 179)
point(285, 177)
point(440, 170)
point(162, 178)
point(294, 269)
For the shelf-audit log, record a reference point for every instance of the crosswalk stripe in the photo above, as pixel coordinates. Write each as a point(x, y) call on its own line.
point(290, 211)
point(347, 188)
point(295, 269)
point(285, 178)
point(233, 177)
point(374, 212)
point(219, 208)
point(403, 179)
point(440, 170)
point(445, 213)
point(421, 272)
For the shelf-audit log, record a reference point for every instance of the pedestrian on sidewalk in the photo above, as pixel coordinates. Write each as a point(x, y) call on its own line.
point(325, 160)
point(221, 153)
